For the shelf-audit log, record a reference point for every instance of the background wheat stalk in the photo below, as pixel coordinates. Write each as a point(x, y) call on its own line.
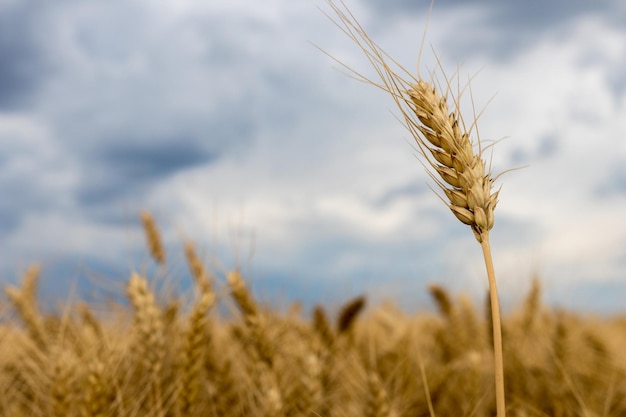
point(85, 362)
point(452, 159)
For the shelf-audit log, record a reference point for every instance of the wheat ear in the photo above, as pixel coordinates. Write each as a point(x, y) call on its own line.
point(153, 237)
point(442, 299)
point(263, 350)
point(198, 271)
point(98, 391)
point(150, 344)
point(25, 301)
point(322, 327)
point(377, 403)
point(531, 306)
point(254, 321)
point(196, 339)
point(349, 313)
point(444, 141)
point(61, 378)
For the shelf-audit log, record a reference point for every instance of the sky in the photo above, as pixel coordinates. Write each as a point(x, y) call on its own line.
point(227, 122)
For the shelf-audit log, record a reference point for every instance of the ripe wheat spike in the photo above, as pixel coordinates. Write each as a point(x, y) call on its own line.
point(153, 237)
point(349, 313)
point(149, 344)
point(193, 354)
point(197, 269)
point(25, 302)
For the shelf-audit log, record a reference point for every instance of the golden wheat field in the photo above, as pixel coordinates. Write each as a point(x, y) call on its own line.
point(154, 355)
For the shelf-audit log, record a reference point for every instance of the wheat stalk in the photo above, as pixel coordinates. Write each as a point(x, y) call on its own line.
point(452, 159)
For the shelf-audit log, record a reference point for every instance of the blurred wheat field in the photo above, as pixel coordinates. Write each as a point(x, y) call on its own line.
point(158, 355)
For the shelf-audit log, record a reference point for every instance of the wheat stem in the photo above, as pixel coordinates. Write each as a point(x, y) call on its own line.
point(497, 327)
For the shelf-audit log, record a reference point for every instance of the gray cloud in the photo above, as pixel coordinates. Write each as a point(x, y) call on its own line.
point(134, 100)
point(133, 167)
point(515, 15)
point(25, 63)
point(499, 29)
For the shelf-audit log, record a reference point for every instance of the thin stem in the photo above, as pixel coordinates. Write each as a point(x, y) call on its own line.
point(497, 327)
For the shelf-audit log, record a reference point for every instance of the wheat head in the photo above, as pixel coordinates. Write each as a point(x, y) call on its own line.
point(196, 339)
point(197, 269)
point(98, 395)
point(25, 301)
point(322, 327)
point(441, 135)
point(148, 320)
point(153, 237)
point(150, 345)
point(464, 179)
point(377, 402)
point(349, 313)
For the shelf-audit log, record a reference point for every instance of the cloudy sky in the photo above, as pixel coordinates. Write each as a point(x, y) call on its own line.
point(225, 121)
